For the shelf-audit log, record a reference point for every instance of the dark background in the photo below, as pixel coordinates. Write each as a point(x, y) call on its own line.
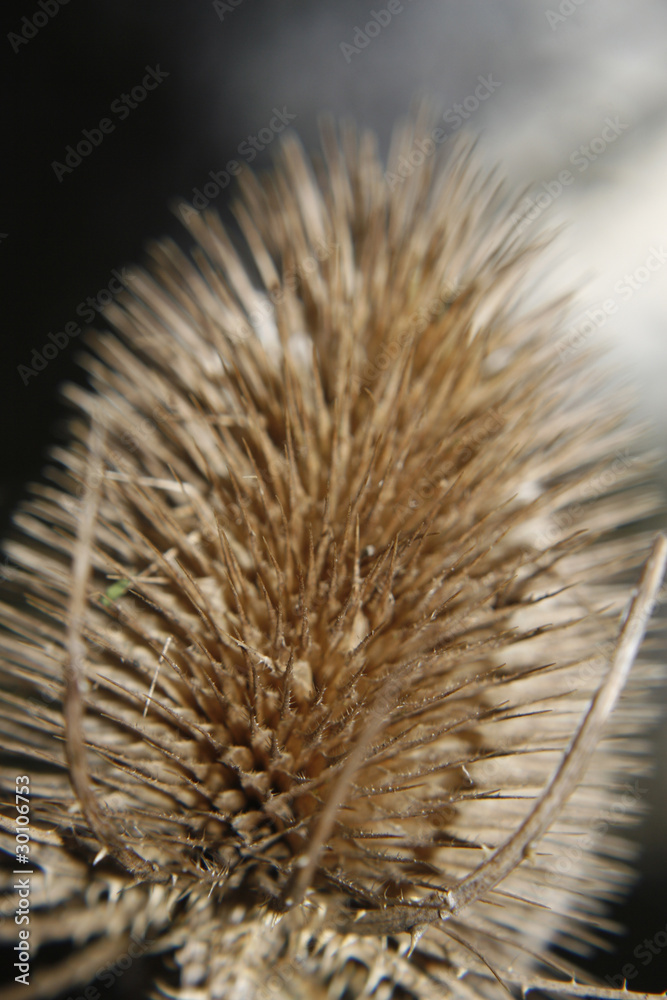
point(227, 70)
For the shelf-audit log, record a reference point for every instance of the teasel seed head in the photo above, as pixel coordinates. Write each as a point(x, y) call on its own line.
point(315, 626)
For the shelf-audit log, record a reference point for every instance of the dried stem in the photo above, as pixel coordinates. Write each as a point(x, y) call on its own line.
point(545, 810)
point(574, 989)
point(73, 708)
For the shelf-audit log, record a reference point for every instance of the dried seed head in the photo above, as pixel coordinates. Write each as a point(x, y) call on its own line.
point(316, 598)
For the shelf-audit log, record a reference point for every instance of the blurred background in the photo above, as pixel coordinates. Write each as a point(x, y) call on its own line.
point(574, 108)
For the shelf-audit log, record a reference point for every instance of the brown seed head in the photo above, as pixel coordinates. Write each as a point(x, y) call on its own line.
point(316, 598)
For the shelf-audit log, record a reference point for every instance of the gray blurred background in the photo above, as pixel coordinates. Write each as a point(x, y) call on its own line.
point(577, 86)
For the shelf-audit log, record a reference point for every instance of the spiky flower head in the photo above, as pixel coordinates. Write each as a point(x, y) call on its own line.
point(315, 600)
